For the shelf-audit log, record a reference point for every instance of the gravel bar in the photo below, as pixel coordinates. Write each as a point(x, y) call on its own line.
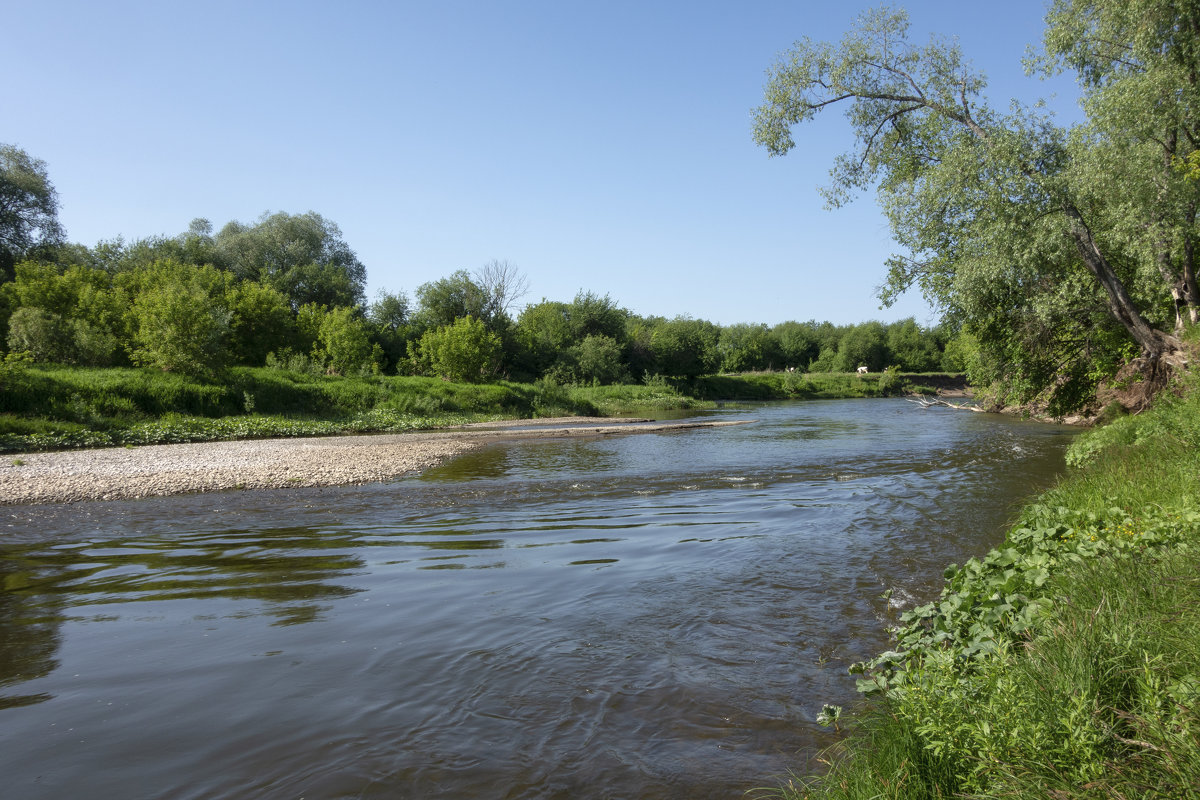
point(118, 473)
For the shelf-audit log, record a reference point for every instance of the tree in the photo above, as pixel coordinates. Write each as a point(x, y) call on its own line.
point(911, 348)
point(49, 337)
point(77, 308)
point(503, 284)
point(442, 302)
point(863, 345)
point(344, 342)
point(389, 317)
point(301, 255)
point(43, 335)
point(28, 208)
point(260, 322)
point(599, 359)
point(542, 334)
point(589, 314)
point(685, 348)
point(1042, 241)
point(745, 347)
point(463, 351)
point(798, 343)
point(179, 319)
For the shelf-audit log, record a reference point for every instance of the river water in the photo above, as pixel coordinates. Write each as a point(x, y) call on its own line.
point(646, 616)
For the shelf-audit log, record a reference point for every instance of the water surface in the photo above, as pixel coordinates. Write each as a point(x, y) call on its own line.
point(650, 616)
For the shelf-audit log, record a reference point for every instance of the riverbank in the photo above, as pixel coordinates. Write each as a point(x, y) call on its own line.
point(46, 408)
point(120, 473)
point(1065, 662)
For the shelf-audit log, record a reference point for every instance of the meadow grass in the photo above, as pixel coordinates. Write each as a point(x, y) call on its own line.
point(1066, 662)
point(49, 408)
point(44, 407)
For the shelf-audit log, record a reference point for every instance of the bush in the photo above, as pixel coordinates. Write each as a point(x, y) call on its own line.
point(345, 342)
point(465, 351)
point(44, 336)
point(179, 326)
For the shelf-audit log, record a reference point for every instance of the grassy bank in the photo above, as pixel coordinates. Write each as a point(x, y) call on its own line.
point(46, 408)
point(1064, 663)
point(817, 385)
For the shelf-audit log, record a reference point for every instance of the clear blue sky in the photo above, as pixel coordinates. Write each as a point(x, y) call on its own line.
point(601, 145)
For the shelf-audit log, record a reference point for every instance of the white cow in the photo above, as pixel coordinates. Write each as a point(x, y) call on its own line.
point(862, 370)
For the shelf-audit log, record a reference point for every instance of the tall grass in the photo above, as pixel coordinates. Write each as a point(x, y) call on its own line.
point(45, 408)
point(1063, 664)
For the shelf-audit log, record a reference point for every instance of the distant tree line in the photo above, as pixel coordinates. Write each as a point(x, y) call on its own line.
point(286, 290)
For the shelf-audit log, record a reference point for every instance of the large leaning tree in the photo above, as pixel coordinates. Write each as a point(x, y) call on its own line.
point(1061, 249)
point(28, 208)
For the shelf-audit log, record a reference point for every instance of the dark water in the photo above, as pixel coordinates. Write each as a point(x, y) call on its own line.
point(652, 616)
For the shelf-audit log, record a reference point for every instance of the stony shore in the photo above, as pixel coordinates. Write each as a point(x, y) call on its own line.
point(118, 473)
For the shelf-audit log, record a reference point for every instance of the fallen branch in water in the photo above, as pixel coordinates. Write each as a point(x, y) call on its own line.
point(926, 402)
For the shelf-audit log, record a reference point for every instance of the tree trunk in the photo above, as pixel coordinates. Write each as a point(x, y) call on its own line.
point(1191, 292)
point(1154, 343)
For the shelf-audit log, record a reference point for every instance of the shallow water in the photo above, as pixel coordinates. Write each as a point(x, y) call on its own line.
point(650, 616)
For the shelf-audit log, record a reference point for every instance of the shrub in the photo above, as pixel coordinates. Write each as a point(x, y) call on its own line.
point(465, 351)
point(179, 324)
point(44, 336)
point(344, 342)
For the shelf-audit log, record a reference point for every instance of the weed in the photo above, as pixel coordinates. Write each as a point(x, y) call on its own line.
point(1064, 663)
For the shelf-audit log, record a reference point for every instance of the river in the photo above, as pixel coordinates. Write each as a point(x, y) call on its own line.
point(644, 616)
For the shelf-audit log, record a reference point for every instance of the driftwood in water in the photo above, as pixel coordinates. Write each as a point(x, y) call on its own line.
point(929, 402)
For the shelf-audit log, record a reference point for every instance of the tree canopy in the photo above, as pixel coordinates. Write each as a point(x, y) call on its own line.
point(1055, 246)
point(301, 255)
point(28, 207)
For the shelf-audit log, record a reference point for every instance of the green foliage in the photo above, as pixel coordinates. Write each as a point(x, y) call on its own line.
point(464, 351)
point(49, 337)
point(863, 346)
point(442, 302)
point(44, 336)
point(73, 315)
point(799, 386)
point(798, 344)
point(13, 370)
point(28, 208)
point(890, 381)
point(685, 348)
point(389, 320)
point(743, 348)
point(589, 314)
point(260, 321)
point(543, 336)
point(653, 394)
point(344, 343)
point(907, 344)
point(1065, 662)
point(179, 320)
point(303, 256)
point(596, 359)
point(1173, 423)
point(1059, 250)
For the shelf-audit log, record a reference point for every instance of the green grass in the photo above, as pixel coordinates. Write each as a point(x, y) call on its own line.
point(45, 407)
point(807, 386)
point(49, 408)
point(1066, 662)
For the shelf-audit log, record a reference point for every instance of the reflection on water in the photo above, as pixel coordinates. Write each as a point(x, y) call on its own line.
point(645, 616)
